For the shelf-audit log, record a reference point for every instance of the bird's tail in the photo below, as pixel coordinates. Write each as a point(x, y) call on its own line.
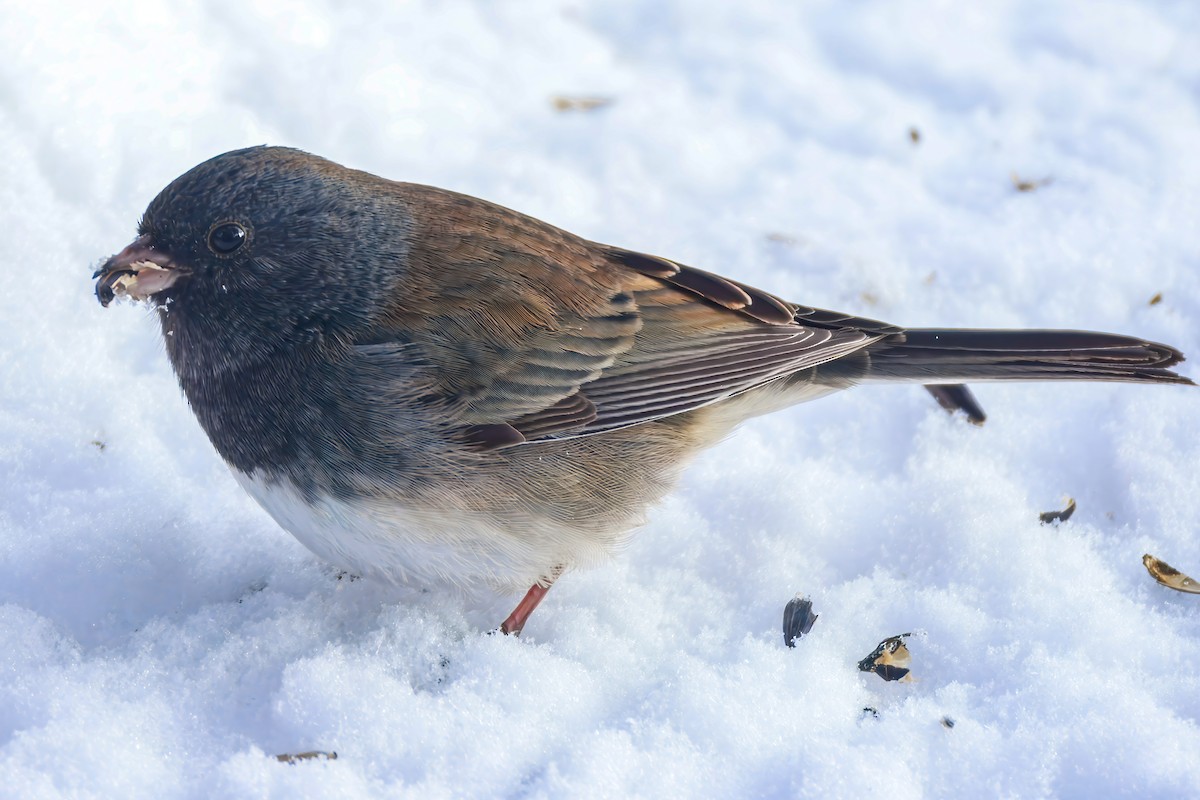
point(952, 356)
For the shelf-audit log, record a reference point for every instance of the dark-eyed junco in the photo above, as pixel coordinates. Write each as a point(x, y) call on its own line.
point(427, 387)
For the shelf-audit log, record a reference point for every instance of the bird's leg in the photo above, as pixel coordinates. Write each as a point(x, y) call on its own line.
point(520, 615)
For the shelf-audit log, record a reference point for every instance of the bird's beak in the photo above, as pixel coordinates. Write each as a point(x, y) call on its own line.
point(139, 271)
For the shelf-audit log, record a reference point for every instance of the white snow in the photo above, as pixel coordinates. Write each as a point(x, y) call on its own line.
point(160, 637)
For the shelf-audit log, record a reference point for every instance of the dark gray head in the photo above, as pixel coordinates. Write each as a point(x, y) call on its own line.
point(261, 247)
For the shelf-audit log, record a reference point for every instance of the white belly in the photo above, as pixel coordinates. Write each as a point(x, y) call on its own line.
point(408, 546)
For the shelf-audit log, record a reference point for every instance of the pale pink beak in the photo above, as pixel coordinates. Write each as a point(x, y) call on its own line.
point(139, 271)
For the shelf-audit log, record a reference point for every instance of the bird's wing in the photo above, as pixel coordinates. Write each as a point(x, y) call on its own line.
point(530, 333)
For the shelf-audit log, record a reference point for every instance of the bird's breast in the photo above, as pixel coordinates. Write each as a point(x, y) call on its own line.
point(402, 543)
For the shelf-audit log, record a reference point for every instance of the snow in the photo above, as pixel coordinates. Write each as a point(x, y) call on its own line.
point(161, 637)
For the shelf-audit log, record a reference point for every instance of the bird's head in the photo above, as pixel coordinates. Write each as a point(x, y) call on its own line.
point(267, 237)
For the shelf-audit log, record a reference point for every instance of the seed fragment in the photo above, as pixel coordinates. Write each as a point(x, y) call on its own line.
point(1023, 185)
point(568, 103)
point(1170, 577)
point(890, 660)
point(798, 619)
point(1046, 517)
point(310, 755)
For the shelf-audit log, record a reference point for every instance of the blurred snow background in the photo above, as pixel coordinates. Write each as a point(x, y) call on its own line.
point(160, 637)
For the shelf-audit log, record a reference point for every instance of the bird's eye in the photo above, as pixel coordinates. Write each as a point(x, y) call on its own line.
point(226, 238)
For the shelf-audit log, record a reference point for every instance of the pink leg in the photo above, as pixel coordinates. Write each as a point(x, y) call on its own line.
point(520, 615)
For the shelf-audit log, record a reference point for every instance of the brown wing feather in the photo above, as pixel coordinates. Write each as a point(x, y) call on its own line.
point(572, 338)
point(752, 302)
point(508, 331)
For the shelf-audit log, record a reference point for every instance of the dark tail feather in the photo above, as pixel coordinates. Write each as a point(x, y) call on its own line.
point(949, 356)
point(956, 397)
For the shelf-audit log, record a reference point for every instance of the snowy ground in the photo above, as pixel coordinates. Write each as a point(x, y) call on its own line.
point(161, 637)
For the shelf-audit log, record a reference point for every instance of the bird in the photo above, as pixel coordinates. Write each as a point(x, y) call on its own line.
point(429, 388)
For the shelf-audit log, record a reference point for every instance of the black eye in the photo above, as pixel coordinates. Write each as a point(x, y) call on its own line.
point(226, 237)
